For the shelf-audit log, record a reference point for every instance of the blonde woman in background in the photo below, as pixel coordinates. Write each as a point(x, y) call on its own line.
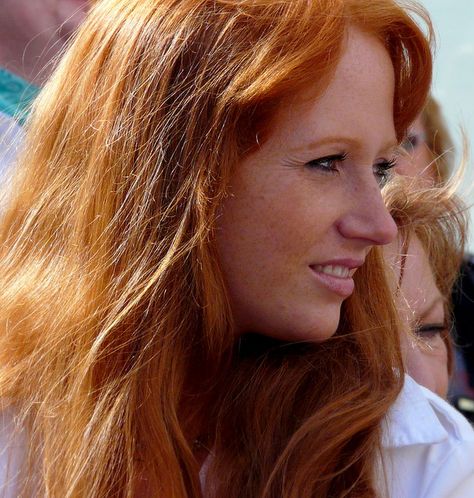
point(423, 265)
point(429, 157)
point(429, 148)
point(425, 260)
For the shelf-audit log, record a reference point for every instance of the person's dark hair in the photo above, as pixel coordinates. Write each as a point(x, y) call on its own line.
point(463, 312)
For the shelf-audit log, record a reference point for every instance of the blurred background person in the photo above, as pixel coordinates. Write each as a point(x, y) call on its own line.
point(426, 347)
point(429, 156)
point(32, 34)
point(428, 146)
point(423, 266)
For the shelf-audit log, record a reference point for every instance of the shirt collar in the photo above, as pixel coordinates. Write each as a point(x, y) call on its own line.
point(411, 419)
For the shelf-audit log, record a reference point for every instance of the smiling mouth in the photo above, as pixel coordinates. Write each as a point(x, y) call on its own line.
point(335, 278)
point(337, 271)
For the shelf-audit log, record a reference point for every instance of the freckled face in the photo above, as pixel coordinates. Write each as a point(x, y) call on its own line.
point(305, 208)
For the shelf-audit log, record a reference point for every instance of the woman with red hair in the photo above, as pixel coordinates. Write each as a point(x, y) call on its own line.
point(192, 301)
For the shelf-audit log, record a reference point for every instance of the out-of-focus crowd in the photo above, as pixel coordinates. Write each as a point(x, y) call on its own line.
point(32, 37)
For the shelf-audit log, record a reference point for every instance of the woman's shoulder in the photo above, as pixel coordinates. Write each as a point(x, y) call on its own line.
point(428, 447)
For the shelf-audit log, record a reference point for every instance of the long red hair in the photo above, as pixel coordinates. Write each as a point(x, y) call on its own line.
point(115, 322)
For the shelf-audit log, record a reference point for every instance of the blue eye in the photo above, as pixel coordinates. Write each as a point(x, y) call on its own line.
point(382, 171)
point(327, 163)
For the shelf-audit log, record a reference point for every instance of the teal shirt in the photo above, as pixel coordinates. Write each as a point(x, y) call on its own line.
point(16, 95)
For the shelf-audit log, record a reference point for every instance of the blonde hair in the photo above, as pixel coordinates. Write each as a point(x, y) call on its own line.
point(114, 317)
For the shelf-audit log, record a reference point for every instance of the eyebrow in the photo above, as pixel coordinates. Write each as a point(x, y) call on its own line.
point(335, 139)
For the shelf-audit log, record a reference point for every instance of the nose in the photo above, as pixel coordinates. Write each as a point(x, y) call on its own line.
point(367, 218)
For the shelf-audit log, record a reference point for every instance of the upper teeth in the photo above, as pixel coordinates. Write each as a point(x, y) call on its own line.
point(336, 271)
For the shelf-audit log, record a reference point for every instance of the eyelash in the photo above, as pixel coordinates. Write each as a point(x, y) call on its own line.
point(431, 330)
point(330, 160)
point(381, 169)
point(413, 141)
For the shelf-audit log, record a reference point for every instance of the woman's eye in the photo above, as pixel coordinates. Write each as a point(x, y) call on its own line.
point(331, 164)
point(382, 171)
point(430, 331)
point(412, 141)
point(327, 163)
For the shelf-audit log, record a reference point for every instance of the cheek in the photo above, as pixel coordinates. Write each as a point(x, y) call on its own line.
point(262, 234)
point(270, 230)
point(418, 164)
point(277, 219)
point(422, 162)
point(429, 367)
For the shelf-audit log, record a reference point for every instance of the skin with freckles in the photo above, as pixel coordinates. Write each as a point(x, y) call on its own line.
point(305, 208)
point(422, 307)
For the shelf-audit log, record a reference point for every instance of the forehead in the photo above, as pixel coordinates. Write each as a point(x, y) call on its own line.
point(358, 96)
point(364, 55)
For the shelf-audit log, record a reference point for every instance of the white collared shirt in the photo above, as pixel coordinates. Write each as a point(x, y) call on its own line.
point(428, 448)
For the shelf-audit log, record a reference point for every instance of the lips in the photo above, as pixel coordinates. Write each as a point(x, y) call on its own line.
point(336, 275)
point(335, 270)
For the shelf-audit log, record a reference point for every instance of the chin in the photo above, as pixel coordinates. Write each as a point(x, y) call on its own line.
point(321, 332)
point(323, 324)
point(315, 329)
point(303, 324)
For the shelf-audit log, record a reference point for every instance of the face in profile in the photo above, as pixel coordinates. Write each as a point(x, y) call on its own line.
point(422, 307)
point(305, 208)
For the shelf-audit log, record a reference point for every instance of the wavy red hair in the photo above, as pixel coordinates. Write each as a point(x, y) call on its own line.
point(115, 347)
